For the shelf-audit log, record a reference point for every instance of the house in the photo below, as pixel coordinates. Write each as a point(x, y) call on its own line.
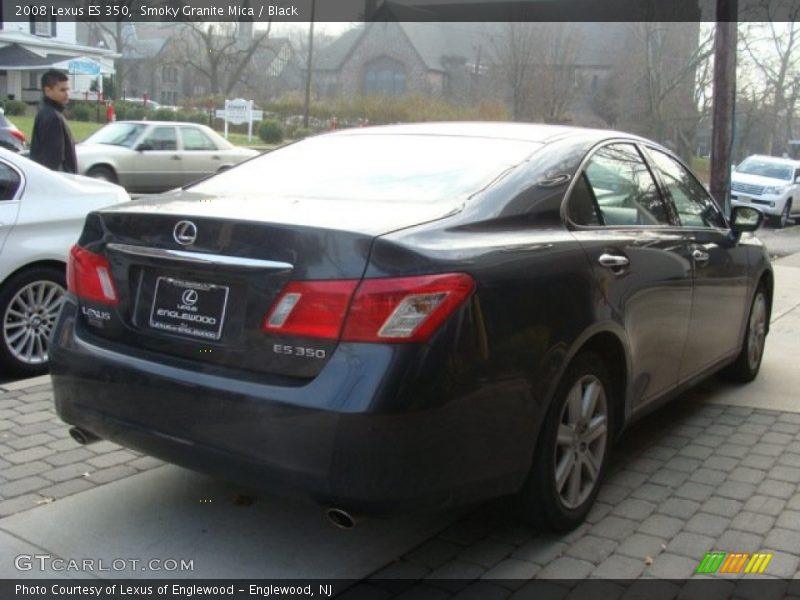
point(155, 65)
point(28, 49)
point(459, 62)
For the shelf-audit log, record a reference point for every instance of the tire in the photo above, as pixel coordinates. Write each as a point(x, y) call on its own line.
point(783, 219)
point(29, 305)
point(747, 364)
point(103, 173)
point(558, 496)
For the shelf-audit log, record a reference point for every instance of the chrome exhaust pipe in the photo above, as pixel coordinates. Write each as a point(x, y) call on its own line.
point(82, 436)
point(340, 518)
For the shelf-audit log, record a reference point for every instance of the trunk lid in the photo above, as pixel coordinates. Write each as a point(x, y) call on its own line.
point(206, 300)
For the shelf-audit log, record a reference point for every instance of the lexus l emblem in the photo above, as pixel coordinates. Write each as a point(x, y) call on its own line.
point(185, 233)
point(189, 297)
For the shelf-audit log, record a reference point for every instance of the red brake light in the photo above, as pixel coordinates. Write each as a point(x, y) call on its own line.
point(310, 308)
point(402, 309)
point(18, 134)
point(89, 276)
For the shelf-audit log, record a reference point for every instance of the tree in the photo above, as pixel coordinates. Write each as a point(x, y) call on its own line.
point(219, 52)
point(772, 51)
point(659, 81)
point(537, 62)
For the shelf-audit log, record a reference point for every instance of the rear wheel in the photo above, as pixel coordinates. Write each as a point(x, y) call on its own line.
point(573, 448)
point(29, 305)
point(746, 366)
point(103, 173)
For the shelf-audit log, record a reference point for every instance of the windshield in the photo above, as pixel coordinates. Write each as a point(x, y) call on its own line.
point(117, 134)
point(379, 168)
point(765, 168)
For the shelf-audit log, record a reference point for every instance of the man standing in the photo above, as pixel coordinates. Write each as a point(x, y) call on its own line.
point(52, 144)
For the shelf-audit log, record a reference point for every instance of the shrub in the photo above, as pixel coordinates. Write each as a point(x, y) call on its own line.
point(270, 132)
point(136, 113)
point(81, 112)
point(14, 107)
point(163, 114)
point(302, 132)
point(198, 116)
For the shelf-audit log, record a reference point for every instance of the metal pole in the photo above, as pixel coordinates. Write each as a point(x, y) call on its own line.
point(724, 92)
point(308, 65)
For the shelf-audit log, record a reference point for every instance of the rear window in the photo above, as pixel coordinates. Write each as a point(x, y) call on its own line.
point(379, 168)
point(117, 134)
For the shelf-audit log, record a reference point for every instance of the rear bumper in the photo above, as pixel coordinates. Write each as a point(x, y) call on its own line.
point(348, 437)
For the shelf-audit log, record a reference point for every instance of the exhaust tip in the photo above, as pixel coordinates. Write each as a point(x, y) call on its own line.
point(341, 519)
point(82, 436)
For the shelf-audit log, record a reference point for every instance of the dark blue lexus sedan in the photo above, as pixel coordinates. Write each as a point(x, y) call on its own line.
point(411, 316)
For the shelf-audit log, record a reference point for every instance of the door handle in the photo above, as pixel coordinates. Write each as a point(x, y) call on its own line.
point(215, 157)
point(700, 256)
point(176, 157)
point(613, 261)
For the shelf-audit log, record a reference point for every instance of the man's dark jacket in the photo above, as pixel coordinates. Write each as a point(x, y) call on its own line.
point(52, 144)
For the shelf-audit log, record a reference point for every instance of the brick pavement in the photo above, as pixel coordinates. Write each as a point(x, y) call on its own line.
point(689, 479)
point(39, 461)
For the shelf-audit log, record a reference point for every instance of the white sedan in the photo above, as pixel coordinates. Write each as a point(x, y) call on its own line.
point(154, 156)
point(41, 216)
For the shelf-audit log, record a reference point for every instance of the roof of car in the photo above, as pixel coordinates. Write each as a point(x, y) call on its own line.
point(776, 159)
point(532, 132)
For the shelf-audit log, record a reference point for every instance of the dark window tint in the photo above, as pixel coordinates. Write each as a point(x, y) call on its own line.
point(616, 188)
point(162, 138)
point(582, 204)
point(693, 203)
point(9, 182)
point(194, 139)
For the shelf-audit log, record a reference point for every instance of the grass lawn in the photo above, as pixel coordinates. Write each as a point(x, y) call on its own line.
point(82, 129)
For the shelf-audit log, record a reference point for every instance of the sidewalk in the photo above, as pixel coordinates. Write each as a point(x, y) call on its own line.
point(718, 469)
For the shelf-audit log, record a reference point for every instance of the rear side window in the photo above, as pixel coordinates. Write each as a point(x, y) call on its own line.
point(617, 189)
point(194, 140)
point(694, 205)
point(9, 182)
point(162, 138)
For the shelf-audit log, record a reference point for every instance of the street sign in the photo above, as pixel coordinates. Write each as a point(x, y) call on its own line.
point(239, 111)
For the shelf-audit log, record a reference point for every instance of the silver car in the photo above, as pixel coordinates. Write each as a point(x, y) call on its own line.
point(153, 156)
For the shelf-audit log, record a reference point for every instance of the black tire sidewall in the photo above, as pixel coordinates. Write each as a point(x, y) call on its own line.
point(108, 173)
point(9, 289)
point(539, 494)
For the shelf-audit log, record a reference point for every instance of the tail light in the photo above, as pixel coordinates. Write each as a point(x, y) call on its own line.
point(89, 276)
point(18, 134)
point(311, 308)
point(403, 309)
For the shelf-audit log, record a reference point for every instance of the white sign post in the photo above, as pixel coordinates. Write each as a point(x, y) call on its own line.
point(240, 111)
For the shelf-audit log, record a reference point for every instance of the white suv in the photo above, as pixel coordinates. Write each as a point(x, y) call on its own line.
point(770, 184)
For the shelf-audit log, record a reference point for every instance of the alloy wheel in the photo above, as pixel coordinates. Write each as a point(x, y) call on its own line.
point(757, 331)
point(29, 319)
point(581, 441)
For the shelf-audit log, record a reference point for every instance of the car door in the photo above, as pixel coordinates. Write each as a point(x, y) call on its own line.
point(201, 157)
point(639, 260)
point(719, 268)
point(10, 189)
point(158, 161)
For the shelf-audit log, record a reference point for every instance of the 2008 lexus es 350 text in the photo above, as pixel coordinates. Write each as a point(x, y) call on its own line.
point(411, 316)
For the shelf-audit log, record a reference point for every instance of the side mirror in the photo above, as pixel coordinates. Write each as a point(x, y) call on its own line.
point(143, 147)
point(745, 218)
point(797, 179)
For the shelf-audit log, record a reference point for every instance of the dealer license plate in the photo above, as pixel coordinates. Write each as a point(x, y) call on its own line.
point(189, 307)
